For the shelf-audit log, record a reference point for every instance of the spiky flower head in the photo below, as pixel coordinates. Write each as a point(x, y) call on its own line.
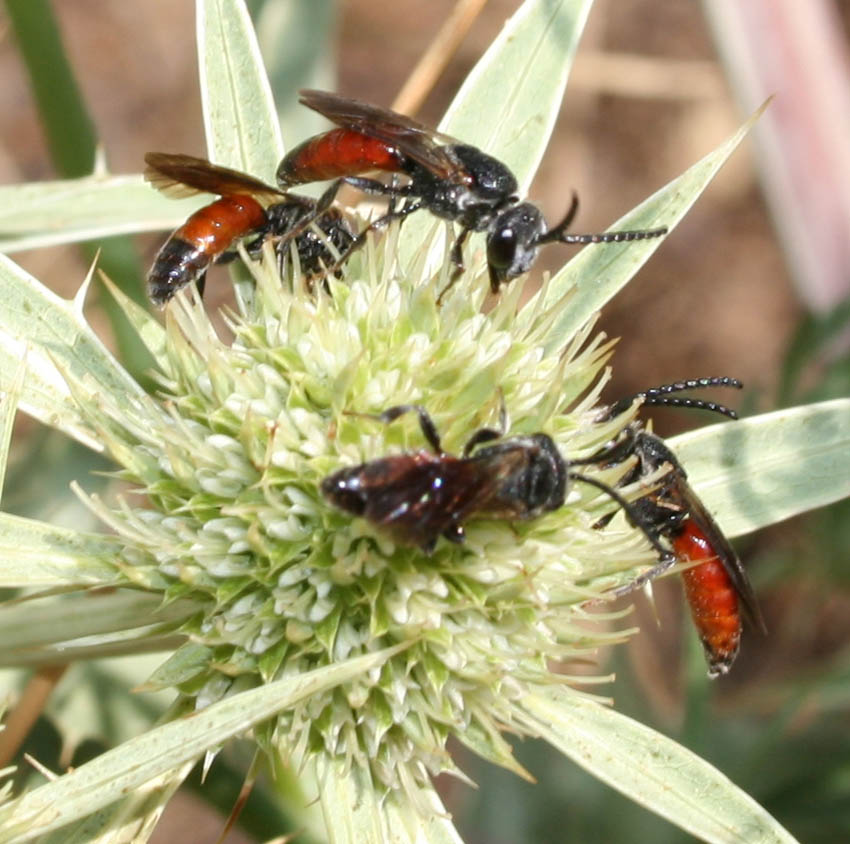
point(229, 461)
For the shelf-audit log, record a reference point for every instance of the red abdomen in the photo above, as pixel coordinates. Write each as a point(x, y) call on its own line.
point(190, 250)
point(712, 597)
point(339, 152)
point(213, 228)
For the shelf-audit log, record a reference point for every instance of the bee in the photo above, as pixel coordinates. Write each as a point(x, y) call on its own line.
point(247, 208)
point(419, 496)
point(717, 588)
point(453, 180)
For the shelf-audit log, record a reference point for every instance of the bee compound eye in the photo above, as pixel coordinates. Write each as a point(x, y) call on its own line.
point(502, 246)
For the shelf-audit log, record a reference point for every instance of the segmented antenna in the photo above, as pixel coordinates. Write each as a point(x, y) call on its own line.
point(559, 232)
point(662, 396)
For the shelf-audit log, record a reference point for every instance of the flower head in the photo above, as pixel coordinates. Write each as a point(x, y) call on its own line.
point(229, 462)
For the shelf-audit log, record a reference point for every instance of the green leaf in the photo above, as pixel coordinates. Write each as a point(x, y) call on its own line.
point(140, 641)
point(130, 819)
point(356, 813)
point(650, 768)
point(89, 620)
point(71, 139)
point(761, 470)
point(298, 42)
point(599, 271)
point(8, 410)
point(240, 118)
point(58, 340)
point(36, 554)
point(164, 749)
point(510, 101)
point(242, 132)
point(49, 213)
point(65, 121)
point(186, 662)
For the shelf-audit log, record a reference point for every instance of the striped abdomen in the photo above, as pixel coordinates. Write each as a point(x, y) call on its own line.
point(190, 250)
point(712, 597)
point(339, 152)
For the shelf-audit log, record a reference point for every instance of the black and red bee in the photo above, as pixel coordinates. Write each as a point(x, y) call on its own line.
point(717, 588)
point(247, 208)
point(420, 496)
point(453, 180)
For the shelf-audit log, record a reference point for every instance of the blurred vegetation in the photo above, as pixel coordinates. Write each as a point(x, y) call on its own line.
point(72, 140)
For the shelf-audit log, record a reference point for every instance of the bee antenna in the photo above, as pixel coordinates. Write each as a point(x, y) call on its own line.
point(558, 232)
point(693, 384)
point(662, 396)
point(693, 404)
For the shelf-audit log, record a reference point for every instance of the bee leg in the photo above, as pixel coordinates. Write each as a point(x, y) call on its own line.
point(376, 186)
point(633, 514)
point(324, 202)
point(456, 256)
point(375, 225)
point(426, 423)
point(482, 435)
point(227, 257)
point(429, 429)
point(457, 251)
point(255, 247)
point(665, 564)
point(608, 455)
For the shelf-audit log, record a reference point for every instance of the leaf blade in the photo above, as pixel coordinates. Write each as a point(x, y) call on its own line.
point(767, 468)
point(58, 340)
point(8, 411)
point(356, 813)
point(36, 554)
point(599, 271)
point(71, 210)
point(115, 773)
point(651, 769)
point(240, 118)
point(510, 113)
point(510, 101)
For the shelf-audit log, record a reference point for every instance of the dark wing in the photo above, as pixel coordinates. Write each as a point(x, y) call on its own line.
point(480, 486)
point(504, 496)
point(178, 175)
point(418, 497)
point(726, 553)
point(426, 146)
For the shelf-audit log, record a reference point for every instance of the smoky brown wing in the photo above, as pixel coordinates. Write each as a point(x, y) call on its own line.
point(426, 146)
point(419, 496)
point(727, 555)
point(178, 175)
point(497, 498)
point(473, 487)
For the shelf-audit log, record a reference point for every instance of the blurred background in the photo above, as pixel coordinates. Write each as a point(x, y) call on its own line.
point(754, 284)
